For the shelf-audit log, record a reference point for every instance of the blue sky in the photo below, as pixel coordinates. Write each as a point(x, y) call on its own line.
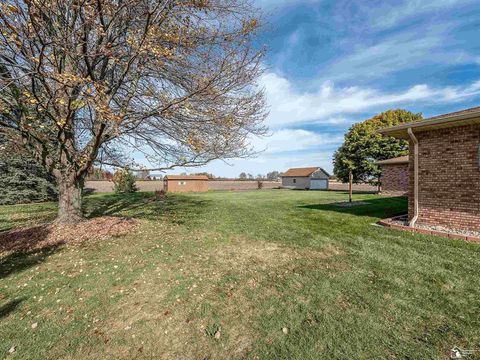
point(333, 63)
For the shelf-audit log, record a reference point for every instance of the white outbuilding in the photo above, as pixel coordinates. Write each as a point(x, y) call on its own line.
point(309, 178)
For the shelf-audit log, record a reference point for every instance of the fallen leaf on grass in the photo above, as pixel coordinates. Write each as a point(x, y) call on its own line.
point(51, 235)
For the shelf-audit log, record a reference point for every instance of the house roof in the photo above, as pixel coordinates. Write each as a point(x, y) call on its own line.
point(454, 119)
point(302, 172)
point(394, 161)
point(186, 177)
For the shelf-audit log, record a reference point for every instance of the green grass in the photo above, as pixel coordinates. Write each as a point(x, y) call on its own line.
point(246, 265)
point(25, 215)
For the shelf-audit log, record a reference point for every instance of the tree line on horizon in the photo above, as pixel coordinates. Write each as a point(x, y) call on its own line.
point(99, 174)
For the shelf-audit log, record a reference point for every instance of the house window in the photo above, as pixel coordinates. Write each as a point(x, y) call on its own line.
point(294, 181)
point(182, 183)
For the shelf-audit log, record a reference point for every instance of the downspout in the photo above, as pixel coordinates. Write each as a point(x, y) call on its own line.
point(415, 178)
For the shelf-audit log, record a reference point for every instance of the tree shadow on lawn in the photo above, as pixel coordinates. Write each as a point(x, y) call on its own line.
point(16, 262)
point(26, 214)
point(382, 207)
point(359, 192)
point(9, 307)
point(145, 205)
point(17, 256)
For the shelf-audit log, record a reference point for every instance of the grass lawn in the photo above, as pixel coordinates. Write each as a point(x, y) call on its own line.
point(274, 274)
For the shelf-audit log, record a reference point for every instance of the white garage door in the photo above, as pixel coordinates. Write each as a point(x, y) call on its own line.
point(318, 184)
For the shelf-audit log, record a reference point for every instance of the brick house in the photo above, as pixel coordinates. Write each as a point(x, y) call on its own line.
point(444, 169)
point(394, 179)
point(185, 183)
point(310, 178)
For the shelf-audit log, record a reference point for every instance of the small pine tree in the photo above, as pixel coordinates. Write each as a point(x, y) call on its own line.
point(23, 179)
point(124, 182)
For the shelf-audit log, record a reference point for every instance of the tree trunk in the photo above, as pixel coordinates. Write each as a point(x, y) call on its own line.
point(350, 186)
point(69, 198)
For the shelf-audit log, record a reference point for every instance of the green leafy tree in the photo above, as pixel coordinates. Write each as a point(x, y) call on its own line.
point(364, 146)
point(124, 182)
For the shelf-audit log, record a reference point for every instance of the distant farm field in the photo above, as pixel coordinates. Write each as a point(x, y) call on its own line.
point(271, 274)
point(153, 185)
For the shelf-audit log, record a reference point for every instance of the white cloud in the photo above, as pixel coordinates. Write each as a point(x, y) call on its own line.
point(397, 53)
point(402, 51)
point(289, 140)
point(294, 38)
point(388, 15)
point(328, 104)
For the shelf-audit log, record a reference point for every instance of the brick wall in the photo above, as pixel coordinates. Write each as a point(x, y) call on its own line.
point(394, 179)
point(449, 177)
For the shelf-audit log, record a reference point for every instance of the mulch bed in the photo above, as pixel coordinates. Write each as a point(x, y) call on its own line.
point(347, 204)
point(401, 223)
point(54, 234)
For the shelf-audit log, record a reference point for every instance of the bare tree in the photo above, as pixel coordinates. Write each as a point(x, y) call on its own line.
point(273, 176)
point(143, 174)
point(82, 81)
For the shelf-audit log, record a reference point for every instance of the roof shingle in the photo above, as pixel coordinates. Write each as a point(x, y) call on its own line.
point(301, 171)
point(459, 118)
point(397, 160)
point(461, 112)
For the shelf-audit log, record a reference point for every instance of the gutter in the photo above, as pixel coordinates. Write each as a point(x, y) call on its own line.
point(432, 122)
point(415, 177)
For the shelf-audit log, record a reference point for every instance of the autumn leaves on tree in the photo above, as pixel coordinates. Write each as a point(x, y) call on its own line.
point(81, 82)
